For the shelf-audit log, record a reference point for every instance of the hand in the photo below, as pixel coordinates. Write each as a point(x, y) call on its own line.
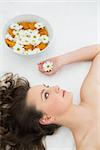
point(57, 64)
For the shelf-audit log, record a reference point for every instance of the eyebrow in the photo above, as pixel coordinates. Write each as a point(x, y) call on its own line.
point(44, 85)
point(42, 93)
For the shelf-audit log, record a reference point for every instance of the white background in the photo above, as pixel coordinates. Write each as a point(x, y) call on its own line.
point(74, 25)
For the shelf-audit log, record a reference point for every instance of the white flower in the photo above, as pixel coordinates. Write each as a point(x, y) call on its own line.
point(18, 48)
point(39, 25)
point(8, 36)
point(16, 26)
point(25, 52)
point(37, 50)
point(48, 66)
point(45, 39)
point(27, 37)
point(16, 32)
point(36, 40)
point(36, 36)
point(31, 52)
point(32, 41)
point(26, 41)
point(21, 33)
point(27, 33)
point(23, 39)
point(34, 32)
point(19, 41)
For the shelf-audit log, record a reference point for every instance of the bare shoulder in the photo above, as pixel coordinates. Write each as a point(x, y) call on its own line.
point(90, 90)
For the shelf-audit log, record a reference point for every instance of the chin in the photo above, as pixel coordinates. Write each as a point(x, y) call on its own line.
point(69, 95)
point(69, 99)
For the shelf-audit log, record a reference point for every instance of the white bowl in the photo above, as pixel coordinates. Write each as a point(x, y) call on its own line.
point(29, 18)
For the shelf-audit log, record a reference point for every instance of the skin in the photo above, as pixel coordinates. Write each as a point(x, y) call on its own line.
point(84, 119)
point(51, 97)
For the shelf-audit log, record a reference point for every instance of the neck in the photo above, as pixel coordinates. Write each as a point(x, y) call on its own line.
point(73, 118)
point(76, 119)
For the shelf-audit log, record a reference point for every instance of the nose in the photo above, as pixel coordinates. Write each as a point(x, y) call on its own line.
point(57, 88)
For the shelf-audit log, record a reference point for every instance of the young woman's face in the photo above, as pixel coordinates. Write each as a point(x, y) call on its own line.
point(52, 101)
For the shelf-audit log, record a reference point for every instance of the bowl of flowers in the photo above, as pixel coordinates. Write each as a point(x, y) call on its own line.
point(28, 34)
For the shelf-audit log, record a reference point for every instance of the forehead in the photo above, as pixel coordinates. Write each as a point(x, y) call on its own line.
point(34, 94)
point(36, 88)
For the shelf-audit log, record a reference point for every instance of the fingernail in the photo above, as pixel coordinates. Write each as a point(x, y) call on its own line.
point(41, 63)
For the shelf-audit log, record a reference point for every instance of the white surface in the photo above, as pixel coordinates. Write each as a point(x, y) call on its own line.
point(74, 25)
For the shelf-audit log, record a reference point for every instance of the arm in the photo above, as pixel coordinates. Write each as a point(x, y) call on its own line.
point(91, 85)
point(90, 89)
point(83, 54)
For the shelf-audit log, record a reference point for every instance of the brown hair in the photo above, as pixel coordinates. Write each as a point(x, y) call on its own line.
point(19, 124)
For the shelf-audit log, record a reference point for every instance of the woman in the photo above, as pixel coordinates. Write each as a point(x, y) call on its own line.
point(30, 113)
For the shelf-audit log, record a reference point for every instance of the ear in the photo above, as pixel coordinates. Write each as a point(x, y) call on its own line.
point(45, 120)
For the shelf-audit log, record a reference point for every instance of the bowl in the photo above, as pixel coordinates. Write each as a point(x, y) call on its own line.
point(40, 42)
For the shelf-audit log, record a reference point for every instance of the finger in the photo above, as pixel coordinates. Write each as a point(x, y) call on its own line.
point(41, 68)
point(41, 63)
point(49, 73)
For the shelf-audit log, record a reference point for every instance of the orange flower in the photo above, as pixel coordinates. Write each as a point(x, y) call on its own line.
point(10, 43)
point(41, 46)
point(43, 31)
point(28, 47)
point(10, 31)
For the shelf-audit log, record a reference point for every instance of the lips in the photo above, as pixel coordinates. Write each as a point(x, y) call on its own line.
point(64, 93)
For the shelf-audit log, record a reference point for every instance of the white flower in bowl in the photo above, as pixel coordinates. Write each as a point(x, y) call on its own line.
point(45, 39)
point(27, 40)
point(16, 26)
point(39, 25)
point(9, 37)
point(18, 48)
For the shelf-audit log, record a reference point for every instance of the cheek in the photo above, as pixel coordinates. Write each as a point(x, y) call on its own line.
point(57, 106)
